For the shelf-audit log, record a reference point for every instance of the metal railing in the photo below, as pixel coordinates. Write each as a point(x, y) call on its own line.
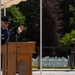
point(72, 54)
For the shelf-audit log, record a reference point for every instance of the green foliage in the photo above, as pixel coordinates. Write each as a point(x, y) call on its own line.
point(16, 16)
point(66, 40)
point(30, 9)
point(64, 5)
point(72, 16)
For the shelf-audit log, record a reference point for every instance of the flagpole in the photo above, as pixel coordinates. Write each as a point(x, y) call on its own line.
point(40, 37)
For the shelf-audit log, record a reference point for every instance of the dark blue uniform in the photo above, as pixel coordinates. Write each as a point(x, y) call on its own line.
point(6, 35)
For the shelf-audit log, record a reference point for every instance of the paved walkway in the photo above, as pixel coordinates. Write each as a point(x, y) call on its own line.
point(53, 72)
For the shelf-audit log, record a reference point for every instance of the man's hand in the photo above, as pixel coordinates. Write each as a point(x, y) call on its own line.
point(20, 29)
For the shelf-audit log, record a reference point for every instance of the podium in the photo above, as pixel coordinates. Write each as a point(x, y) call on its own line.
point(17, 57)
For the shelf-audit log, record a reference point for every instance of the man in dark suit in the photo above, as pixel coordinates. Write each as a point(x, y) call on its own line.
point(5, 21)
point(5, 33)
point(4, 29)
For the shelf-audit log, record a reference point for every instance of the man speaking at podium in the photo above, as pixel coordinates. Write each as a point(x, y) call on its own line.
point(4, 29)
point(5, 33)
point(15, 59)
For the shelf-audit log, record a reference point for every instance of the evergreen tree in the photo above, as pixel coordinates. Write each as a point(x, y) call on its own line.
point(72, 15)
point(64, 5)
point(51, 23)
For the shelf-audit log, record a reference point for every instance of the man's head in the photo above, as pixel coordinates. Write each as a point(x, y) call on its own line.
point(5, 21)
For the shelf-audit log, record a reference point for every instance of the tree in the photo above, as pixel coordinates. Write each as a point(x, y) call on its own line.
point(31, 10)
point(68, 8)
point(51, 23)
point(66, 40)
point(72, 17)
point(17, 18)
point(68, 11)
point(72, 2)
point(64, 5)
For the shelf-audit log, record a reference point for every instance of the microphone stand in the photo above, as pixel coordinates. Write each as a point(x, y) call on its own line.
point(16, 49)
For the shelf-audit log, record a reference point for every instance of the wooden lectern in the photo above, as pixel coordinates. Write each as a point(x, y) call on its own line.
point(17, 57)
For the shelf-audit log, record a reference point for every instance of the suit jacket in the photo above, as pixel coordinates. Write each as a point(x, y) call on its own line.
point(6, 34)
